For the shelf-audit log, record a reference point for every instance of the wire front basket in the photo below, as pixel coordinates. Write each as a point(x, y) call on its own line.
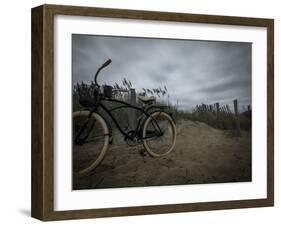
point(88, 94)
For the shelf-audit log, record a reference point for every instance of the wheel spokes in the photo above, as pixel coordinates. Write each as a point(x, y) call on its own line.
point(91, 138)
point(159, 135)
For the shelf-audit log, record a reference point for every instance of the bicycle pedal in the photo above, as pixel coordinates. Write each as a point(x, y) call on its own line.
point(142, 153)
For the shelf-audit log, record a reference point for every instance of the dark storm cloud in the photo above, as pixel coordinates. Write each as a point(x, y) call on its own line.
point(194, 72)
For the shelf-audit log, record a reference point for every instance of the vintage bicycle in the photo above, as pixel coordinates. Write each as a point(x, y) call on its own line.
point(92, 133)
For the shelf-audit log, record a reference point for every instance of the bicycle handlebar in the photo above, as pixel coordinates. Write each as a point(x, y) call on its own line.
point(105, 64)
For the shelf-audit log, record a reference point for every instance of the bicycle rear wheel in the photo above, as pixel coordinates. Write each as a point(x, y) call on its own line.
point(90, 141)
point(159, 134)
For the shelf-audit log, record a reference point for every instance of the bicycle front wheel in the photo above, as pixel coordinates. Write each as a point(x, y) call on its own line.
point(159, 134)
point(90, 141)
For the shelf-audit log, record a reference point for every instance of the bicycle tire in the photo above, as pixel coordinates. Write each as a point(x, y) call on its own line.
point(94, 162)
point(145, 131)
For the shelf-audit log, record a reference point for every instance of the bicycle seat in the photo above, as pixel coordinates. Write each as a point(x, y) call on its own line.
point(147, 100)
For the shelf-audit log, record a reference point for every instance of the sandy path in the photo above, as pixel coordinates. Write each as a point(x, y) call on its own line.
point(202, 155)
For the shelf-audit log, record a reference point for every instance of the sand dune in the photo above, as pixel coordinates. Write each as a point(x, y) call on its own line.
point(202, 155)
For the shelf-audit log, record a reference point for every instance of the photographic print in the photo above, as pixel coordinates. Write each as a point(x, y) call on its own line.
point(147, 112)
point(155, 112)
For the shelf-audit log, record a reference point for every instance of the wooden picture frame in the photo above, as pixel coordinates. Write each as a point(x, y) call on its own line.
point(42, 204)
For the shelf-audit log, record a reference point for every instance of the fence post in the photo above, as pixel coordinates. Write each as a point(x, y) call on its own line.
point(132, 117)
point(218, 115)
point(228, 109)
point(235, 102)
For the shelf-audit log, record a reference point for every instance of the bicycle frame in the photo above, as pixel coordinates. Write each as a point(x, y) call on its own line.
point(128, 106)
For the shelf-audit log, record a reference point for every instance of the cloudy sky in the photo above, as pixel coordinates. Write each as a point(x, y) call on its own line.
point(194, 72)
